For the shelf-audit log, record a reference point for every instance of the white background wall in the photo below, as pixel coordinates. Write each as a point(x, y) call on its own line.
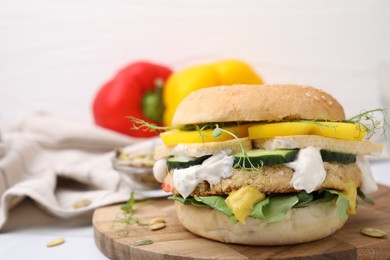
point(54, 55)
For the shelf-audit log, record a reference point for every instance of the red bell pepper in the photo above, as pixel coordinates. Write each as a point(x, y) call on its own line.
point(136, 91)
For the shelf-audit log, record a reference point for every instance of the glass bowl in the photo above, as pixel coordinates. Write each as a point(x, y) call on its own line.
point(136, 169)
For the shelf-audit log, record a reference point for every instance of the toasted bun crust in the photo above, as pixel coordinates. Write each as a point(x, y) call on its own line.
point(256, 103)
point(300, 225)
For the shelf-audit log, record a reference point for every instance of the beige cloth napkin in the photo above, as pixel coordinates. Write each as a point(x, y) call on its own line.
point(57, 162)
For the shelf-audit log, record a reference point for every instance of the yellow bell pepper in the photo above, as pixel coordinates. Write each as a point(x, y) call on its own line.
point(339, 130)
point(182, 83)
point(174, 137)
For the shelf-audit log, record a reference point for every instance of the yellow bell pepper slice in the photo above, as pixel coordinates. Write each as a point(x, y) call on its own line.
point(182, 83)
point(339, 130)
point(174, 137)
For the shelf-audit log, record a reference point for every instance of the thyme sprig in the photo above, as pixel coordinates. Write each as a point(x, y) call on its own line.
point(319, 121)
point(126, 216)
point(371, 122)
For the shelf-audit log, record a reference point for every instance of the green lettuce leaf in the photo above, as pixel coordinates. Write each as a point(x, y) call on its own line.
point(187, 201)
point(275, 208)
point(215, 202)
point(364, 197)
point(304, 199)
point(342, 204)
point(218, 203)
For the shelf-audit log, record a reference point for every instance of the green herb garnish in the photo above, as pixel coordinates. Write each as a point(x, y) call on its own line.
point(128, 207)
point(139, 124)
point(364, 197)
point(371, 122)
point(218, 131)
point(126, 216)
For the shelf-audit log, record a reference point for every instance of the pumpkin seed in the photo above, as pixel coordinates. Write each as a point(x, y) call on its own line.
point(373, 232)
point(157, 226)
point(56, 242)
point(142, 242)
point(81, 203)
point(156, 220)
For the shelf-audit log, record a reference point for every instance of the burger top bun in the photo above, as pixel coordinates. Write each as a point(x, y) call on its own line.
point(240, 103)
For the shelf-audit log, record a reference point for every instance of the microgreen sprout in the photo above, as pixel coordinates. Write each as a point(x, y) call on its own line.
point(217, 133)
point(139, 124)
point(368, 119)
point(371, 122)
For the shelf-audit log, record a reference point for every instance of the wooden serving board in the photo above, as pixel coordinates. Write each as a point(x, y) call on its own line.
point(116, 239)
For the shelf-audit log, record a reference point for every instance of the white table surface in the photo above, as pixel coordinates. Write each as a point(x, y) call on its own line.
point(29, 230)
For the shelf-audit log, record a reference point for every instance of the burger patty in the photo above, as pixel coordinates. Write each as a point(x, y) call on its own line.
point(274, 179)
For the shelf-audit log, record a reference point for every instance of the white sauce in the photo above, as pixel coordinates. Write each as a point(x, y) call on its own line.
point(212, 170)
point(160, 170)
point(309, 172)
point(368, 184)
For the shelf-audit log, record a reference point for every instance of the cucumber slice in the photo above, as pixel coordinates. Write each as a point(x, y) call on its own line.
point(344, 158)
point(184, 162)
point(260, 157)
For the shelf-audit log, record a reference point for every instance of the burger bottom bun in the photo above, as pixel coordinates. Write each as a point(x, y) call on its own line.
point(300, 225)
